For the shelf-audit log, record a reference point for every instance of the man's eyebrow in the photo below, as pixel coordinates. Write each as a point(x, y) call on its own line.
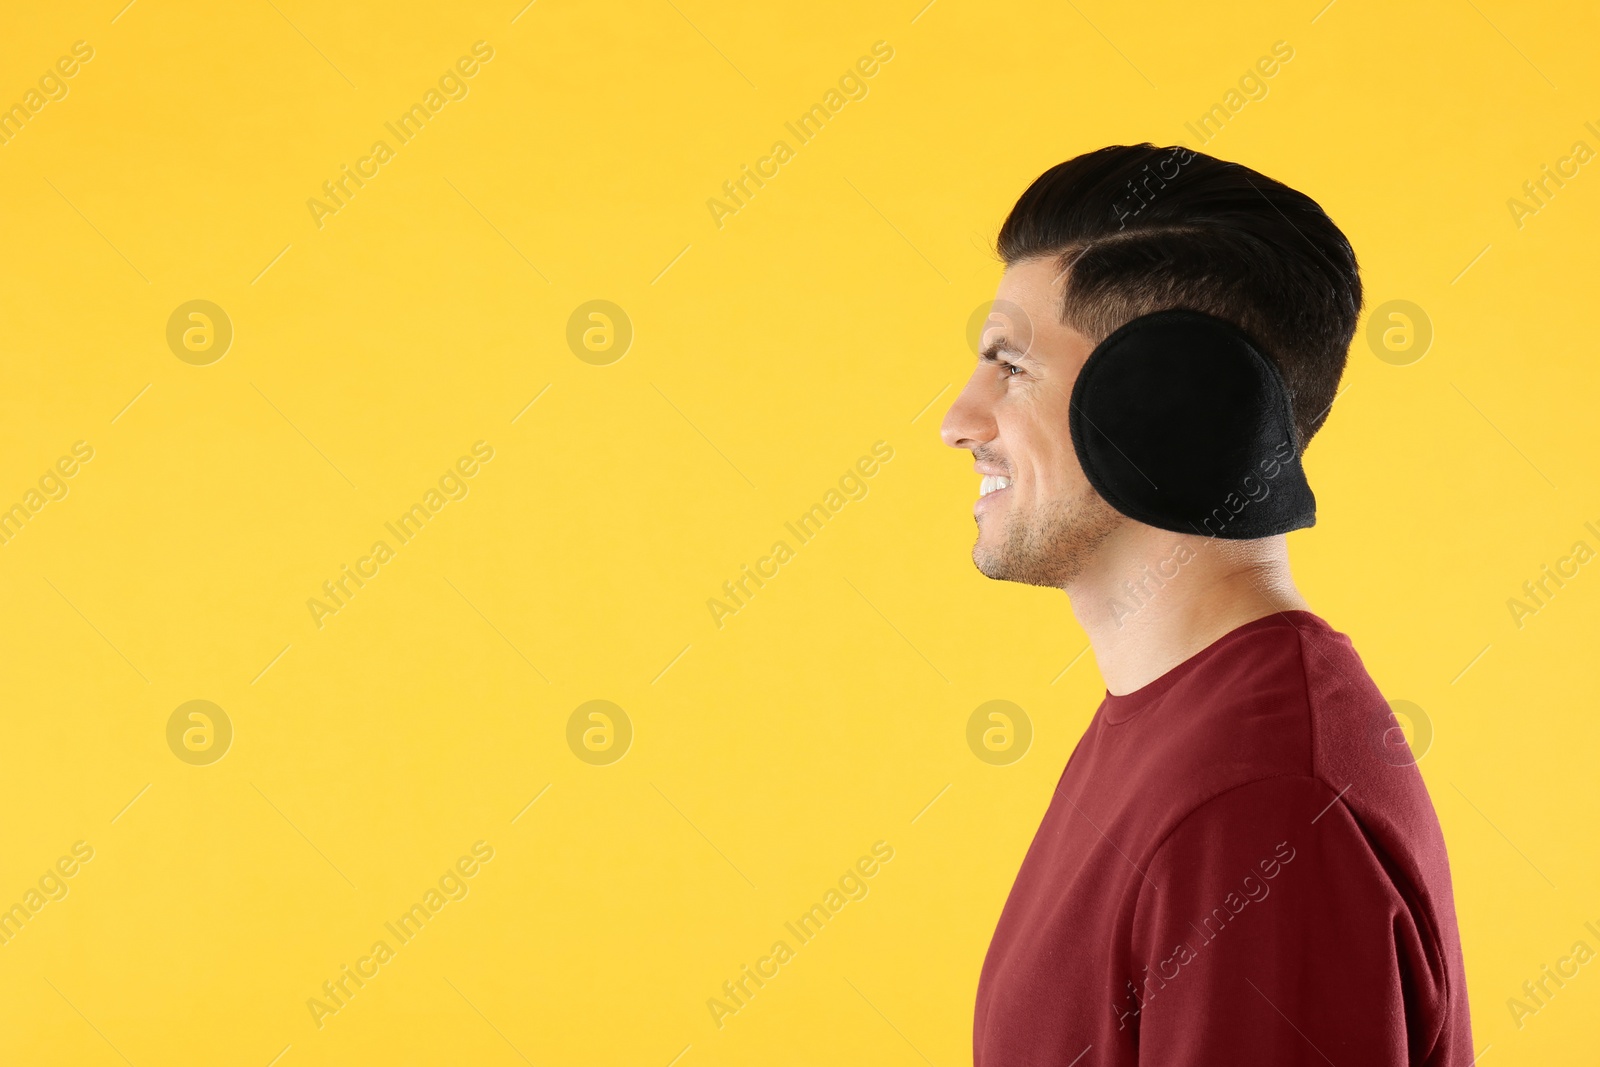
point(991, 352)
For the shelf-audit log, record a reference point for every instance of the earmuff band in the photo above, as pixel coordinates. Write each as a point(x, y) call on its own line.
point(1180, 422)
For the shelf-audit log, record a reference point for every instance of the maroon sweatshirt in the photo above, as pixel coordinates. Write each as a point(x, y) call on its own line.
point(1240, 865)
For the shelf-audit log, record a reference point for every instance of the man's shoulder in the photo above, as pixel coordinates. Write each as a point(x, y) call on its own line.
point(1289, 707)
point(1283, 697)
point(1286, 694)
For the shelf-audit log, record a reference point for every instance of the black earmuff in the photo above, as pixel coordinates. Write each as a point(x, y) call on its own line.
point(1182, 423)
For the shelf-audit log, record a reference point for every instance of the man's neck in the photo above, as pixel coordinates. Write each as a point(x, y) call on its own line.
point(1151, 599)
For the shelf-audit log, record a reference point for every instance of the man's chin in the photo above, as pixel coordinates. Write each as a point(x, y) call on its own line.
point(990, 561)
point(1003, 566)
point(989, 569)
point(1052, 551)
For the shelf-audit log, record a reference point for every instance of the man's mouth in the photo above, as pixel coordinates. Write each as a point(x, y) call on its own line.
point(992, 483)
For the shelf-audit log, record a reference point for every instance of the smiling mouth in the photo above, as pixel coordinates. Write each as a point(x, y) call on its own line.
point(992, 483)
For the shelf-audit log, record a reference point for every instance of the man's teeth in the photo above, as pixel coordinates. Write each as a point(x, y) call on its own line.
point(991, 482)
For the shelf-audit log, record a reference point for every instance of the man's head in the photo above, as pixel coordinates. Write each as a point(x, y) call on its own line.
point(1096, 242)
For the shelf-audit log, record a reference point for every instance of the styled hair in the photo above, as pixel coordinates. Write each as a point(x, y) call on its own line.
point(1136, 229)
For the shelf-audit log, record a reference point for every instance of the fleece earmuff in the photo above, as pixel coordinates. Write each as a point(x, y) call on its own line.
point(1180, 422)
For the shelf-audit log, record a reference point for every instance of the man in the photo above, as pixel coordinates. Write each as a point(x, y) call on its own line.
point(1240, 864)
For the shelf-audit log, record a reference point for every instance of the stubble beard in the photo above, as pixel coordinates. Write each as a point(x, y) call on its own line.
point(1051, 545)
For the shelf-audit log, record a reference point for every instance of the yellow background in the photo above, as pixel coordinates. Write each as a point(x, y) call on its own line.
point(768, 355)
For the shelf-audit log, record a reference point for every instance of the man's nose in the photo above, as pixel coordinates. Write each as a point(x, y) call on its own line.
point(970, 420)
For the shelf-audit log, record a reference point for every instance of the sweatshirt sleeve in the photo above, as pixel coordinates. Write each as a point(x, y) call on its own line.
point(1268, 931)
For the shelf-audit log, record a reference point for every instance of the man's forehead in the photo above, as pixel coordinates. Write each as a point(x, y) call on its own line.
point(1027, 303)
point(1008, 329)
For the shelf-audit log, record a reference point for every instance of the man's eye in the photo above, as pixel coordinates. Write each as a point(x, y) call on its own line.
point(1007, 369)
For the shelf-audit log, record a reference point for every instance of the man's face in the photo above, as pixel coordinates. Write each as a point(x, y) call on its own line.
point(1045, 524)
